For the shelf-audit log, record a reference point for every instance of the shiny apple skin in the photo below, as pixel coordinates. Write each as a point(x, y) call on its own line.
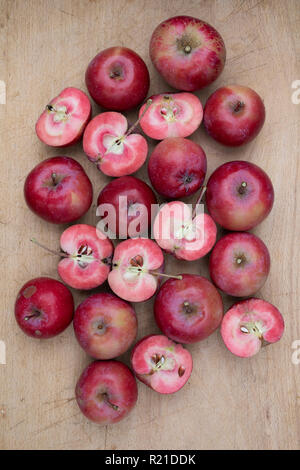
point(234, 115)
point(195, 321)
point(105, 326)
point(102, 382)
point(195, 69)
point(239, 264)
point(136, 191)
point(64, 199)
point(235, 210)
point(51, 304)
point(177, 167)
point(117, 79)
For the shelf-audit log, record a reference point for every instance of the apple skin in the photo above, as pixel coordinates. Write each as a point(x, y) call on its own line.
point(61, 130)
point(188, 52)
point(250, 324)
point(106, 392)
point(58, 190)
point(105, 326)
point(234, 115)
point(239, 195)
point(117, 79)
point(136, 192)
point(164, 377)
point(239, 264)
point(177, 167)
point(188, 310)
point(44, 308)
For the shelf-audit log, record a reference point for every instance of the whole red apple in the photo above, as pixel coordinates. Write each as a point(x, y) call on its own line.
point(132, 200)
point(177, 167)
point(117, 79)
point(44, 308)
point(249, 325)
point(234, 115)
point(58, 190)
point(106, 392)
point(161, 364)
point(105, 326)
point(188, 52)
point(239, 195)
point(64, 119)
point(239, 264)
point(188, 310)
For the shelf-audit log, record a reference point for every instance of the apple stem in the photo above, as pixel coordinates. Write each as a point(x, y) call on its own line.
point(155, 273)
point(131, 129)
point(57, 253)
point(203, 191)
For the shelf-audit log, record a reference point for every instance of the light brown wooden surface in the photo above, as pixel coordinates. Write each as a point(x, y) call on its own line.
point(228, 403)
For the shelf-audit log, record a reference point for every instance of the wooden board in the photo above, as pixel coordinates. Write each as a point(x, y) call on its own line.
point(228, 403)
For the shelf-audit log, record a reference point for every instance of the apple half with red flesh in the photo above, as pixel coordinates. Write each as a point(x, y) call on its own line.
point(161, 364)
point(58, 190)
point(177, 167)
point(188, 310)
point(136, 268)
point(105, 326)
point(44, 308)
point(188, 52)
point(234, 115)
point(132, 200)
point(106, 392)
point(64, 119)
point(239, 195)
point(87, 254)
point(106, 143)
point(187, 236)
point(250, 324)
point(117, 79)
point(239, 264)
point(171, 115)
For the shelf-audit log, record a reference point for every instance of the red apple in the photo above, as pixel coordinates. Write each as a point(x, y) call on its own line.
point(105, 326)
point(132, 200)
point(188, 310)
point(136, 267)
point(171, 115)
point(239, 264)
point(239, 195)
point(114, 149)
point(177, 167)
point(188, 52)
point(249, 325)
point(117, 79)
point(58, 190)
point(87, 256)
point(44, 308)
point(234, 115)
point(178, 231)
point(64, 119)
point(161, 364)
point(106, 392)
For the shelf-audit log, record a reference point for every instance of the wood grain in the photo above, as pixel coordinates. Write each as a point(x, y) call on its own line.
point(228, 403)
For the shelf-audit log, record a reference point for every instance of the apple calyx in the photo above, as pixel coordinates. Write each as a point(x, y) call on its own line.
point(60, 113)
point(238, 106)
point(243, 188)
